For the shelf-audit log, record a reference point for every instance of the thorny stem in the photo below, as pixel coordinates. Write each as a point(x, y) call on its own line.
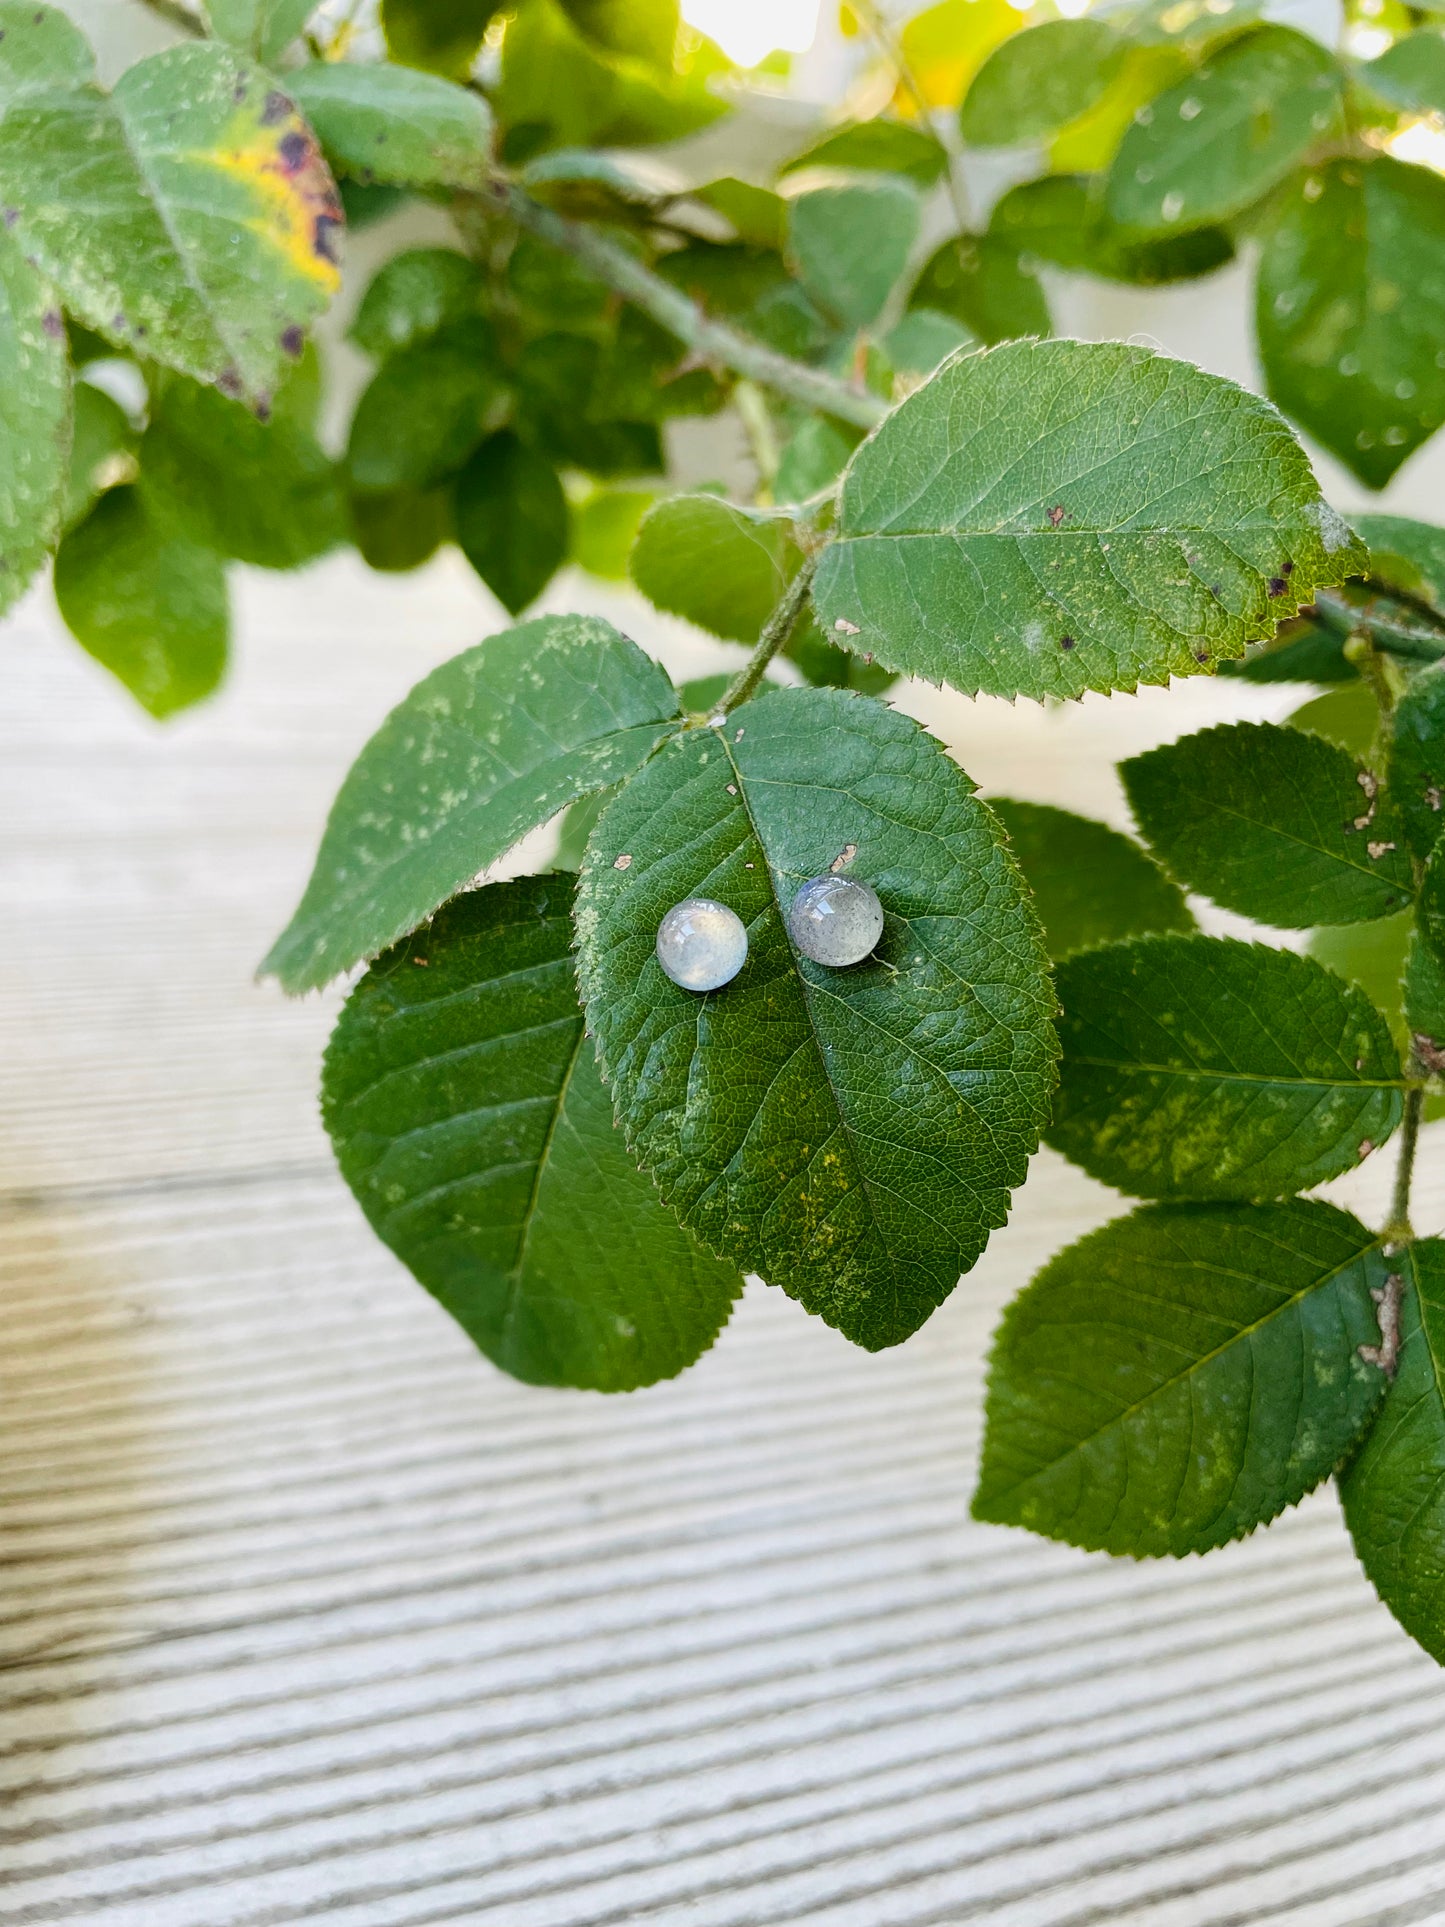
point(776, 630)
point(942, 128)
point(1397, 1230)
point(709, 340)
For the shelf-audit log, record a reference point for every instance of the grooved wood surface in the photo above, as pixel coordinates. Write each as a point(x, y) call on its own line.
point(308, 1614)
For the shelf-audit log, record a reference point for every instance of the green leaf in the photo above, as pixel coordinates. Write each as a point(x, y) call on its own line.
point(396, 125)
point(1091, 885)
point(823, 663)
point(467, 1114)
point(414, 296)
point(1037, 82)
point(1051, 517)
point(758, 215)
point(752, 287)
point(489, 746)
point(883, 146)
point(1407, 556)
point(563, 404)
point(402, 530)
point(1393, 1495)
point(43, 50)
point(367, 202)
point(1190, 26)
point(102, 450)
point(1182, 1375)
point(813, 458)
point(145, 602)
point(646, 29)
point(1351, 286)
point(604, 528)
point(851, 1134)
point(1348, 716)
point(1058, 219)
point(1371, 956)
point(1417, 759)
point(440, 36)
point(262, 28)
point(850, 244)
point(263, 493)
point(198, 222)
point(1215, 144)
point(425, 410)
point(984, 283)
point(1423, 1003)
point(923, 339)
point(1411, 74)
point(1278, 825)
point(559, 89)
point(1431, 906)
point(714, 563)
point(1198, 1067)
point(511, 519)
point(1302, 650)
point(35, 422)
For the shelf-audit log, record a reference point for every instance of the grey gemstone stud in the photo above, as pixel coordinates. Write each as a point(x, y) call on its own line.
point(701, 945)
point(836, 920)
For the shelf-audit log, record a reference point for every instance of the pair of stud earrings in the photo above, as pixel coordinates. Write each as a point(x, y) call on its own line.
point(702, 945)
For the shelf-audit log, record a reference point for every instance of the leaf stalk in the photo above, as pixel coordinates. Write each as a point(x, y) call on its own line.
point(775, 633)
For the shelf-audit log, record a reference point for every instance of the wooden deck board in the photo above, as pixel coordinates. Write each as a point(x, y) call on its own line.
point(308, 1614)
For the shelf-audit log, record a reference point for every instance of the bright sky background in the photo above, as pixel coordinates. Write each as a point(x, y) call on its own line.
point(749, 30)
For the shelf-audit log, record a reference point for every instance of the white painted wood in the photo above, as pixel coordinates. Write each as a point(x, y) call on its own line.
point(308, 1614)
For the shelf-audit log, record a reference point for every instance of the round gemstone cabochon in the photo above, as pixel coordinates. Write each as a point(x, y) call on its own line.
point(835, 920)
point(701, 945)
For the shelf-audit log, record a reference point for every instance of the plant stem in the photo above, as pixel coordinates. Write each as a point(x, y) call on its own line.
point(776, 630)
point(175, 15)
point(709, 340)
point(1397, 1230)
point(1411, 642)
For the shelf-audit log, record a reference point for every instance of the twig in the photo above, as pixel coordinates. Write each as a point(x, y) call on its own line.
point(176, 15)
point(1413, 642)
point(776, 630)
point(710, 341)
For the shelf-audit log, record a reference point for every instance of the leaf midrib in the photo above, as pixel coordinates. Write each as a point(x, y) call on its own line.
point(844, 1122)
point(1242, 1333)
point(1302, 1083)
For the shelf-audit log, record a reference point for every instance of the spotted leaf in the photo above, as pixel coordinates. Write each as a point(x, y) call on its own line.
point(852, 1134)
point(1055, 516)
point(198, 224)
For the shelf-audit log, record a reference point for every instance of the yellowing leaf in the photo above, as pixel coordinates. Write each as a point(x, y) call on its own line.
point(946, 45)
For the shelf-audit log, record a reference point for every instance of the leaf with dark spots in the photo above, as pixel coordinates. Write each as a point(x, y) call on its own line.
point(851, 1134)
point(1091, 489)
point(199, 220)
